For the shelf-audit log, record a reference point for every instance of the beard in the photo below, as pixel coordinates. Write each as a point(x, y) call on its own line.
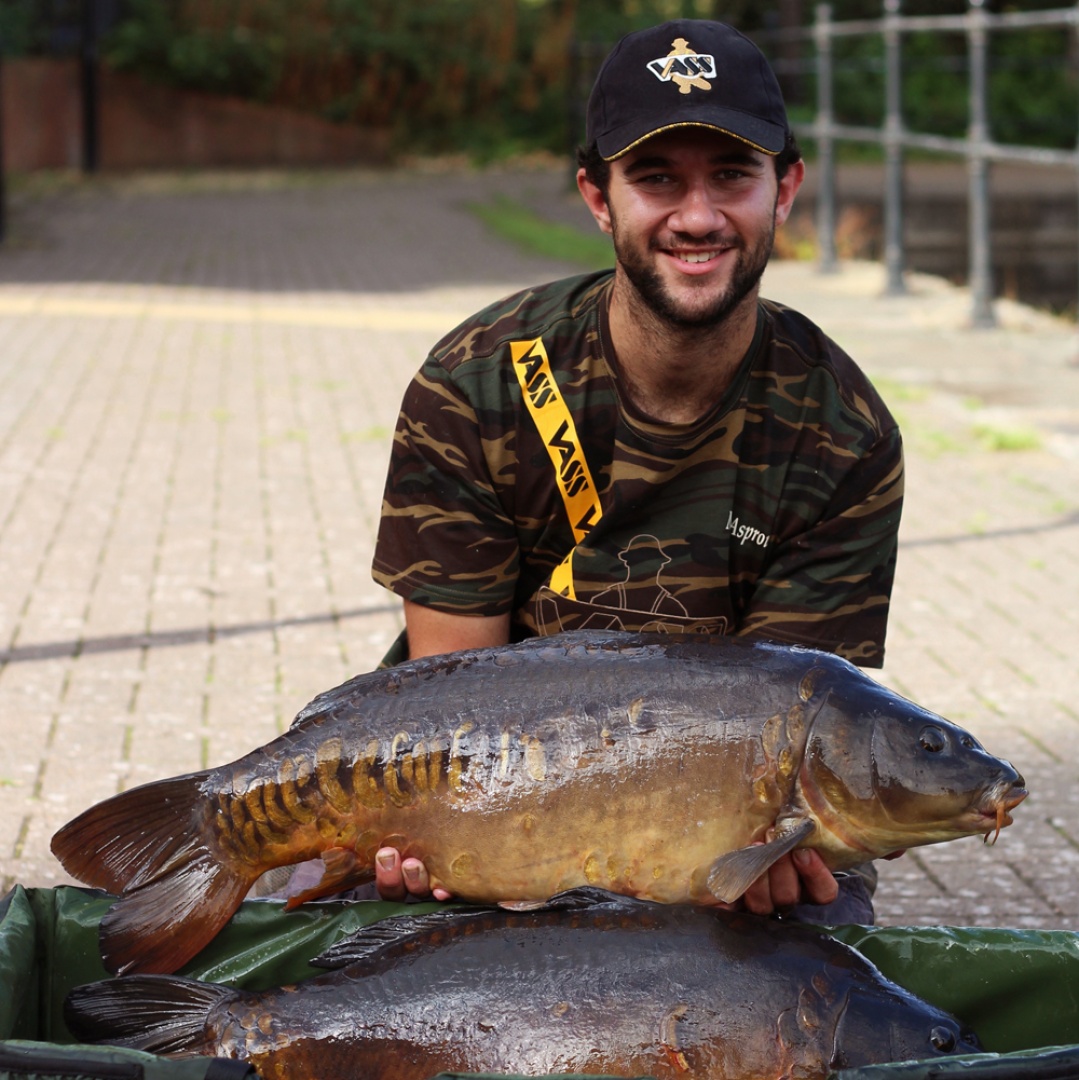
point(653, 293)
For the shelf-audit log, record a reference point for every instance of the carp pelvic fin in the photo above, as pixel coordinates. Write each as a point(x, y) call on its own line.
point(733, 873)
point(341, 870)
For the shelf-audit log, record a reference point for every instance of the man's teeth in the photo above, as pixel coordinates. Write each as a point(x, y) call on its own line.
point(697, 256)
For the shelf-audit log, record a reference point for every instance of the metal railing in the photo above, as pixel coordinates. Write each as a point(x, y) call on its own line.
point(977, 147)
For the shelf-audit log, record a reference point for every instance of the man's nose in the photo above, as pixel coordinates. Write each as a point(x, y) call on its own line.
point(698, 213)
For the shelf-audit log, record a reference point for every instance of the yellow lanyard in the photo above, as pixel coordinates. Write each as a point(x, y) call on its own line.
point(556, 428)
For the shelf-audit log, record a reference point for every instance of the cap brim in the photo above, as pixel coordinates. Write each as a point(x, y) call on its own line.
point(766, 137)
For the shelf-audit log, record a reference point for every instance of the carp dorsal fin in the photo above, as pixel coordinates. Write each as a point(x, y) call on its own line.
point(584, 896)
point(371, 942)
point(733, 873)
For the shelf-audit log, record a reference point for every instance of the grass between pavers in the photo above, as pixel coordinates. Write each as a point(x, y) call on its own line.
point(982, 434)
point(1001, 437)
point(538, 236)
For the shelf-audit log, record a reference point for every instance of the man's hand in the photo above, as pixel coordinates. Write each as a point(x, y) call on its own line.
point(798, 878)
point(395, 879)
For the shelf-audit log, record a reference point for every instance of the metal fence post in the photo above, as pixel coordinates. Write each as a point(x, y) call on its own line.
point(822, 36)
point(3, 181)
point(893, 153)
point(574, 126)
point(981, 265)
point(89, 78)
point(1075, 41)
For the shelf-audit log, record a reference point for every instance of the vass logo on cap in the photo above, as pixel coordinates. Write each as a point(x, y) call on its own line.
point(685, 67)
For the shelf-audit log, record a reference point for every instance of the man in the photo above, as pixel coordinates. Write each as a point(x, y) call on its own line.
point(653, 448)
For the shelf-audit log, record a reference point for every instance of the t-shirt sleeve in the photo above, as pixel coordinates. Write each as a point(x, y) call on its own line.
point(830, 585)
point(444, 539)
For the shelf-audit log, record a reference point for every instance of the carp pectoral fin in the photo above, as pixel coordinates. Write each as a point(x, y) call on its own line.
point(341, 870)
point(733, 873)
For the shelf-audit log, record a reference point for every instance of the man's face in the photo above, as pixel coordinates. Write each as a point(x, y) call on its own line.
point(693, 215)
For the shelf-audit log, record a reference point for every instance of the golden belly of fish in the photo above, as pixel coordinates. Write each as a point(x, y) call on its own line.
point(518, 814)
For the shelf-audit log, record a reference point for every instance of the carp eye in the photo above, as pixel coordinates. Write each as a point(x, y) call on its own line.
point(932, 739)
point(942, 1039)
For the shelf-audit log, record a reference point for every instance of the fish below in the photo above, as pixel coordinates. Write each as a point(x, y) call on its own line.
point(675, 769)
point(590, 983)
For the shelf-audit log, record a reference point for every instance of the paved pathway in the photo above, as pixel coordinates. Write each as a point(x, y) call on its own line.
point(197, 384)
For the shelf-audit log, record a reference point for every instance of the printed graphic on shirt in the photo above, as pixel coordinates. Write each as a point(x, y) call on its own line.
point(684, 67)
point(638, 601)
point(745, 534)
point(642, 552)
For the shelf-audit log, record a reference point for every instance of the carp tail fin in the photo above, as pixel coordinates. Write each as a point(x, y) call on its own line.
point(159, 926)
point(733, 873)
point(123, 841)
point(156, 1013)
point(149, 846)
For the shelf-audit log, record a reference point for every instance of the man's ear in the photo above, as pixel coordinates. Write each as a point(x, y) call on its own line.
point(788, 188)
point(595, 201)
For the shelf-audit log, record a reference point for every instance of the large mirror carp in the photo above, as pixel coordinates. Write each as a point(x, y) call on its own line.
point(643, 764)
point(595, 983)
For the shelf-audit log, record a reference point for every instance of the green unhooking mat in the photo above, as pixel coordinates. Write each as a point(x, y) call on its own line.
point(1019, 989)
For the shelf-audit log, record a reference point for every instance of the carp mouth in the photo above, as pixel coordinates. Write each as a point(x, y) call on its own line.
point(995, 810)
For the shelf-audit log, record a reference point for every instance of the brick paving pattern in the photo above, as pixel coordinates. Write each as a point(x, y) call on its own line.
point(198, 379)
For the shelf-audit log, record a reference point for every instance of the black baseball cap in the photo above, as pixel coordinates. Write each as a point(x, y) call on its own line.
point(689, 72)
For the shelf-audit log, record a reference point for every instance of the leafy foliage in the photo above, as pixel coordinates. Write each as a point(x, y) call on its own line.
point(244, 57)
point(494, 76)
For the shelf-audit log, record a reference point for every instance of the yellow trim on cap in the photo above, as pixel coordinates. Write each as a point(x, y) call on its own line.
point(691, 123)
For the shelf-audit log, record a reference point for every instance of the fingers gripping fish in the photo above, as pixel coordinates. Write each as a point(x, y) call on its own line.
point(649, 765)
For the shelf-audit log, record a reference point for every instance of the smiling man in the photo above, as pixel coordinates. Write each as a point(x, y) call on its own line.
point(654, 447)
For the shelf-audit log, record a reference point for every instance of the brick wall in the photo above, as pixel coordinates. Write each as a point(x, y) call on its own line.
point(144, 125)
point(41, 114)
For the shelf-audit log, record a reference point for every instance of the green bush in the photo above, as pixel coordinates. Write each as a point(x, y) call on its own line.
point(155, 40)
point(455, 74)
point(483, 76)
point(489, 77)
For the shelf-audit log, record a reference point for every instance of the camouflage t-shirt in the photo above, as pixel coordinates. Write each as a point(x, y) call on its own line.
point(774, 515)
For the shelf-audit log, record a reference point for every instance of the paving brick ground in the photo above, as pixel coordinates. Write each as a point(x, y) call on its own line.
point(198, 379)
